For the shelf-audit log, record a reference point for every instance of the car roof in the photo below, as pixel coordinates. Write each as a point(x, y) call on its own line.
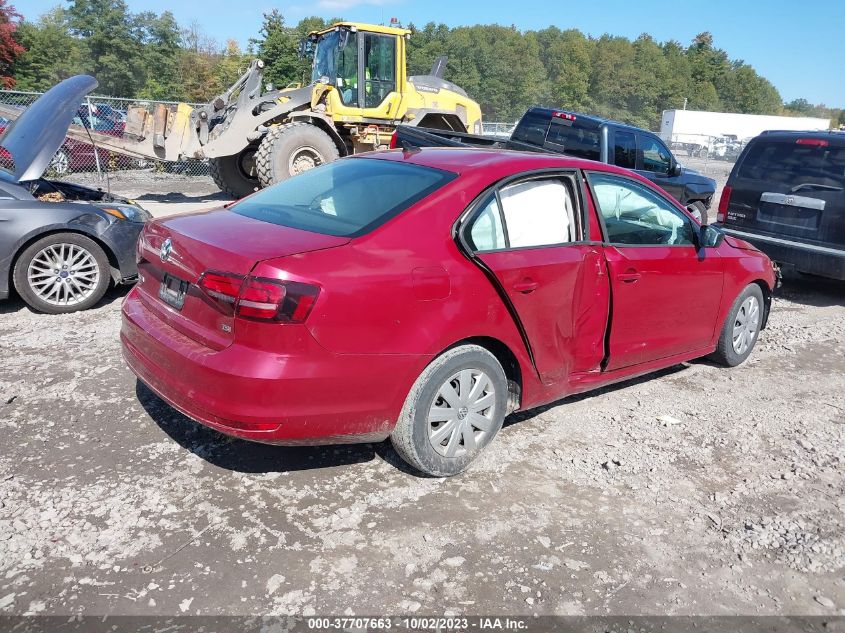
point(835, 136)
point(589, 117)
point(460, 160)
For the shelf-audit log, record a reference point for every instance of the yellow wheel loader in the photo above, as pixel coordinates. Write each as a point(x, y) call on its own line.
point(254, 137)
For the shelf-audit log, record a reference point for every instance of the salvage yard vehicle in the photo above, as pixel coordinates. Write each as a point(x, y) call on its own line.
point(61, 245)
point(585, 136)
point(256, 137)
point(476, 283)
point(786, 195)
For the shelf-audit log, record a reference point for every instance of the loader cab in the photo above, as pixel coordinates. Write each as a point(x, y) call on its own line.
point(365, 66)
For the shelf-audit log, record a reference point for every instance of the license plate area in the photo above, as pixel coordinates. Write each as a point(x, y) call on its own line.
point(172, 291)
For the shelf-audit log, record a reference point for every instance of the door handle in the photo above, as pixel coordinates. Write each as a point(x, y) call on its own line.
point(526, 286)
point(628, 277)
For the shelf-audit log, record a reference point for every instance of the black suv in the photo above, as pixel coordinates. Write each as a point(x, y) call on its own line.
point(786, 195)
point(595, 138)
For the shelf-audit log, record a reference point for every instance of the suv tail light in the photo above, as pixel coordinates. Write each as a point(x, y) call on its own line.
point(258, 298)
point(724, 201)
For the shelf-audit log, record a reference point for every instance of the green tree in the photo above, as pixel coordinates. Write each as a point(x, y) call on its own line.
point(278, 47)
point(111, 47)
point(52, 53)
point(567, 60)
point(161, 39)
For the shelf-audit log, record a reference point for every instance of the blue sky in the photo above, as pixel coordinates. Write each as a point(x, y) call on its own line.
point(795, 45)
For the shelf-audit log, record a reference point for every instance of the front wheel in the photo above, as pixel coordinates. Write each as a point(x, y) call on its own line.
point(454, 410)
point(62, 272)
point(291, 149)
point(741, 328)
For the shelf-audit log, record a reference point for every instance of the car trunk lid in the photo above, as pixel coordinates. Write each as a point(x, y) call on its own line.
point(176, 252)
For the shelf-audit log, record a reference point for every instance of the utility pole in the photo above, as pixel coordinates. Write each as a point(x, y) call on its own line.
point(685, 103)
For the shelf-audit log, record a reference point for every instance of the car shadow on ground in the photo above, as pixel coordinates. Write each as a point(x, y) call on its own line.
point(811, 290)
point(176, 196)
point(251, 457)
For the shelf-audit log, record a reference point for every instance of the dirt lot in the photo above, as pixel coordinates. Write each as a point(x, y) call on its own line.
point(696, 491)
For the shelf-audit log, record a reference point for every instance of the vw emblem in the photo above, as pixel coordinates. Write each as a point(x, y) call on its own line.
point(166, 248)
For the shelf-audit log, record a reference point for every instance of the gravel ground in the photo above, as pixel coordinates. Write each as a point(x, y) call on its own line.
point(697, 490)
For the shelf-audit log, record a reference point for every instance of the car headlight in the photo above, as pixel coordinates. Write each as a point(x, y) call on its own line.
point(128, 212)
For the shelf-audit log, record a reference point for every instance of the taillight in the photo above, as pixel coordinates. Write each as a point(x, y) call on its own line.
point(818, 142)
point(221, 286)
point(260, 299)
point(566, 116)
point(724, 201)
point(393, 140)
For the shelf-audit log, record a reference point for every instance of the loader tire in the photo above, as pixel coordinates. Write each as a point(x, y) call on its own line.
point(290, 149)
point(235, 175)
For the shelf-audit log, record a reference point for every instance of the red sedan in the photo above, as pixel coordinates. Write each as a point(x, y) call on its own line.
point(424, 295)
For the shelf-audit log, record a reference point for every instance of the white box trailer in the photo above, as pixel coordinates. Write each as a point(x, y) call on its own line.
point(689, 126)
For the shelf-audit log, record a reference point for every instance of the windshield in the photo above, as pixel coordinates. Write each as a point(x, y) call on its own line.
point(346, 198)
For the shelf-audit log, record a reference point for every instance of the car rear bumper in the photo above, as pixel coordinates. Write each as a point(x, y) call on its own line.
point(310, 397)
point(815, 259)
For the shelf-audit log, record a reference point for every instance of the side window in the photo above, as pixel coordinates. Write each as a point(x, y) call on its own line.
point(380, 69)
point(656, 157)
point(635, 215)
point(526, 214)
point(486, 233)
point(625, 149)
point(347, 71)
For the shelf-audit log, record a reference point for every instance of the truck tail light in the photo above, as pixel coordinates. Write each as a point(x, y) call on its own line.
point(260, 299)
point(724, 201)
point(818, 142)
point(393, 140)
point(565, 116)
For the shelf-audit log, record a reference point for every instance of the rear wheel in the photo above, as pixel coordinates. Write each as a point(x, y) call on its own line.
point(293, 148)
point(63, 272)
point(741, 328)
point(235, 175)
point(454, 410)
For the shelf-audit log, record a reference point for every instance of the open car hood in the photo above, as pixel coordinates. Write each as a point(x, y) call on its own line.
point(37, 134)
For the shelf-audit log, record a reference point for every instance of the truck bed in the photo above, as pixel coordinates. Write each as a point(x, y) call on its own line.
point(410, 137)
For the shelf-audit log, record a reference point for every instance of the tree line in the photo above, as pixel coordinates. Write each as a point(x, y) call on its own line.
point(150, 56)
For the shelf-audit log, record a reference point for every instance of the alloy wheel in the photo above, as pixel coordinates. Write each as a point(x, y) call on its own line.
point(63, 274)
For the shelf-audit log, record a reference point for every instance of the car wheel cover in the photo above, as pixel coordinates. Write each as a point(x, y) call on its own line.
point(63, 274)
point(746, 324)
point(462, 416)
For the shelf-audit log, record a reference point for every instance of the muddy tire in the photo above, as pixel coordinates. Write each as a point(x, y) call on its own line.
point(235, 175)
point(454, 410)
point(290, 149)
point(61, 273)
point(741, 328)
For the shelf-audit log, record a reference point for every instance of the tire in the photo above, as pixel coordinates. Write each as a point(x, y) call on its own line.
point(742, 311)
point(86, 284)
point(60, 163)
point(704, 153)
point(235, 175)
point(411, 436)
point(290, 149)
point(698, 208)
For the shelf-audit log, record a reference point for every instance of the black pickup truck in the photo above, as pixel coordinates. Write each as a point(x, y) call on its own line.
point(584, 136)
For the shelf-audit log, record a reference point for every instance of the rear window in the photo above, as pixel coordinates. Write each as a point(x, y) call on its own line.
point(792, 165)
point(345, 198)
point(575, 138)
point(532, 128)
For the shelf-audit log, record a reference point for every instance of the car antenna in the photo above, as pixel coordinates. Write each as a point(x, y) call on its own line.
point(97, 156)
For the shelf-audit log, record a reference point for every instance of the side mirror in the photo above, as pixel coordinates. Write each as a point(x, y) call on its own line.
point(675, 169)
point(710, 237)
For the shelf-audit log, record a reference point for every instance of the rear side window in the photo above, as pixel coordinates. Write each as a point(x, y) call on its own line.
point(344, 198)
point(523, 215)
point(625, 150)
point(795, 167)
point(532, 128)
point(574, 138)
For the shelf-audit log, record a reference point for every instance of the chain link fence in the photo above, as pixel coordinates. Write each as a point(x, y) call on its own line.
point(107, 115)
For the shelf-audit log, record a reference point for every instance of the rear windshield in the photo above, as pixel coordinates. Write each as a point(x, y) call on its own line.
point(791, 165)
point(575, 138)
point(345, 198)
